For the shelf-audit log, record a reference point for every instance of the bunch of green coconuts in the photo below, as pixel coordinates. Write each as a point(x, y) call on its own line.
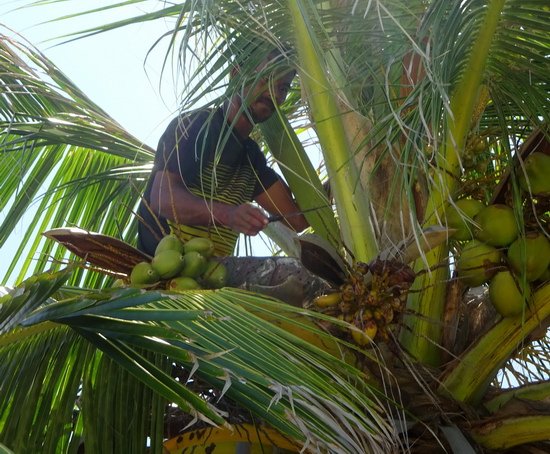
point(181, 266)
point(495, 251)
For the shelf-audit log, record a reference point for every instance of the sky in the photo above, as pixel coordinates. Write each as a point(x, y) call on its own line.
point(110, 68)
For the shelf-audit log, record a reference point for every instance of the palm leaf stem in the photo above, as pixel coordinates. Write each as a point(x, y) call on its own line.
point(468, 379)
point(424, 336)
point(532, 392)
point(351, 199)
point(301, 176)
point(19, 335)
point(286, 391)
point(32, 293)
point(503, 434)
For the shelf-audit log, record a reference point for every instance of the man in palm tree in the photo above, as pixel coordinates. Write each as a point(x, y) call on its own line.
point(207, 169)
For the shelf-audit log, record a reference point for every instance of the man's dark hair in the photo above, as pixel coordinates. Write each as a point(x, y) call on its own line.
point(248, 55)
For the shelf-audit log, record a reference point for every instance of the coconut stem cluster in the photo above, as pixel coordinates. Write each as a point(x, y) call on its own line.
point(371, 299)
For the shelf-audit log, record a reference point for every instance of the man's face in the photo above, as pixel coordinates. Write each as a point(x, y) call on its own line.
point(267, 91)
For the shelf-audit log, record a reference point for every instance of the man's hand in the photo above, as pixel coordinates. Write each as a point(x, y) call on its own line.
point(277, 199)
point(244, 218)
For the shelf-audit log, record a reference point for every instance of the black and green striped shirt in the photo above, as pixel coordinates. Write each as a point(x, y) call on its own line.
point(214, 164)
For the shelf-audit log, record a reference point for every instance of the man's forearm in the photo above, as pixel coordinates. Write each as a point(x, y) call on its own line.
point(277, 199)
point(172, 200)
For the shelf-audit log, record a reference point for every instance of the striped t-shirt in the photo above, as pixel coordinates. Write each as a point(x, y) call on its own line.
point(214, 164)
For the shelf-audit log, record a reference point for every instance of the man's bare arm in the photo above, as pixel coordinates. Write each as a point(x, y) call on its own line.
point(277, 199)
point(171, 199)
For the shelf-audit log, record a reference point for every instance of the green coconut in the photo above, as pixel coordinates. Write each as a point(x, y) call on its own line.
point(530, 255)
point(202, 245)
point(477, 263)
point(171, 242)
point(537, 171)
point(168, 263)
point(460, 215)
point(497, 225)
point(183, 283)
point(143, 274)
point(215, 275)
point(509, 294)
point(194, 264)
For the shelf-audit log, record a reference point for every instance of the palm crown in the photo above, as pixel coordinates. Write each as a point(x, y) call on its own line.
point(413, 105)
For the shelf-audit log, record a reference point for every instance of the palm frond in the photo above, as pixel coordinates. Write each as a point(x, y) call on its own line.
point(50, 376)
point(65, 161)
point(531, 364)
point(213, 335)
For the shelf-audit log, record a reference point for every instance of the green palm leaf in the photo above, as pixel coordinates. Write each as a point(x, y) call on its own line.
point(286, 381)
point(65, 161)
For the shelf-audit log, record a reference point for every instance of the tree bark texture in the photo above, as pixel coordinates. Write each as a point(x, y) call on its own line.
point(284, 278)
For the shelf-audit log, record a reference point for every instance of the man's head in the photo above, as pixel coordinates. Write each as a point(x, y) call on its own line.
point(267, 86)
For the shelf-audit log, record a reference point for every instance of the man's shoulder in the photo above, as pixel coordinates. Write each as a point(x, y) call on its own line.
point(194, 121)
point(190, 123)
point(201, 115)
